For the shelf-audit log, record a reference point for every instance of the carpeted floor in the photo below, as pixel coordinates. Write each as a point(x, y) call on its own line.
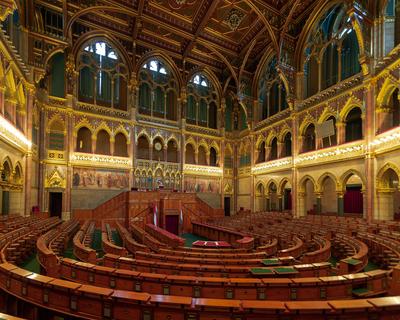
point(96, 243)
point(31, 264)
point(69, 252)
point(190, 238)
point(117, 238)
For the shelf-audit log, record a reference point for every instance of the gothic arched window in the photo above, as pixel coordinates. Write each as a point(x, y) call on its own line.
point(287, 141)
point(354, 125)
point(271, 91)
point(391, 20)
point(202, 103)
point(331, 54)
point(103, 76)
point(158, 91)
point(309, 142)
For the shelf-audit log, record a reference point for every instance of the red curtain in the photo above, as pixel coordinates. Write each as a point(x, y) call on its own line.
point(172, 224)
point(353, 201)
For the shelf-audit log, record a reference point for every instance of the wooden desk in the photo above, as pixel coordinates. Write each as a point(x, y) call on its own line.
point(211, 244)
point(261, 271)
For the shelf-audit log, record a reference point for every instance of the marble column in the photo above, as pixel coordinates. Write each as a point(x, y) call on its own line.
point(280, 203)
point(385, 204)
point(370, 158)
point(94, 140)
point(112, 146)
point(301, 200)
point(28, 159)
point(268, 204)
point(2, 91)
point(340, 132)
point(340, 203)
point(318, 196)
point(42, 156)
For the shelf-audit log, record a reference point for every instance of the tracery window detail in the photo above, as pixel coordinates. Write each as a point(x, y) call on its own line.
point(271, 91)
point(158, 91)
point(332, 52)
point(202, 101)
point(391, 20)
point(103, 76)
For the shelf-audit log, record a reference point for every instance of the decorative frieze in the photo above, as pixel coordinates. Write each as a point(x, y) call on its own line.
point(98, 160)
point(192, 169)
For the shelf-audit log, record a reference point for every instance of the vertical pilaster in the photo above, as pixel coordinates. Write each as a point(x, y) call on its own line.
point(28, 160)
point(94, 140)
point(319, 202)
point(369, 134)
point(252, 184)
point(340, 203)
point(42, 134)
point(112, 146)
point(296, 204)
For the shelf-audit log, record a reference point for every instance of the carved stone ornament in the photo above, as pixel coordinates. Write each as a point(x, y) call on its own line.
point(55, 179)
point(234, 18)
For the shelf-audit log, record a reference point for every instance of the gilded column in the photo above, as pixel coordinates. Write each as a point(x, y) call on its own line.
point(252, 177)
point(296, 205)
point(28, 161)
point(67, 210)
point(369, 135)
point(340, 132)
point(319, 202)
point(94, 140)
point(2, 91)
point(112, 145)
point(42, 134)
point(340, 203)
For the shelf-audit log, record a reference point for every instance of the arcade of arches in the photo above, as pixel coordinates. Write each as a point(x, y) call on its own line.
point(311, 128)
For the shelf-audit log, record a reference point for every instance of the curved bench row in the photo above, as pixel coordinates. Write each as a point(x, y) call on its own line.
point(310, 288)
point(81, 251)
point(164, 236)
point(227, 271)
point(323, 253)
point(143, 237)
point(107, 243)
point(237, 239)
point(73, 299)
point(59, 237)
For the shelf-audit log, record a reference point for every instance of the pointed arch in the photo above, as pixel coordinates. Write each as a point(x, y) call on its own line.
point(122, 130)
point(282, 185)
point(322, 178)
point(303, 181)
point(210, 75)
point(8, 161)
point(389, 86)
point(270, 183)
point(103, 126)
point(108, 38)
point(351, 103)
point(192, 142)
point(58, 122)
point(260, 186)
point(345, 177)
point(328, 112)
point(160, 55)
point(144, 133)
point(83, 123)
point(379, 177)
point(261, 138)
point(204, 144)
point(305, 123)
